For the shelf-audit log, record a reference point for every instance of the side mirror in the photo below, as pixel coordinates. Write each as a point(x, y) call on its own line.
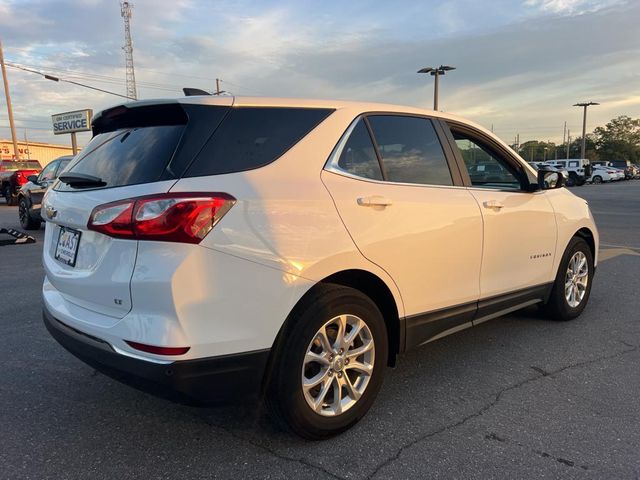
point(548, 179)
point(33, 178)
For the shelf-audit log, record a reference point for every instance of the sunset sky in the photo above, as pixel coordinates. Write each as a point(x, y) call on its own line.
point(521, 64)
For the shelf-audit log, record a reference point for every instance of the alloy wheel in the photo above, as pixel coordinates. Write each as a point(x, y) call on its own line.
point(338, 365)
point(576, 279)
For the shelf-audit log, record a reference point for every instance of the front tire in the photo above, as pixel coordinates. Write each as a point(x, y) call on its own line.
point(597, 180)
point(329, 362)
point(572, 285)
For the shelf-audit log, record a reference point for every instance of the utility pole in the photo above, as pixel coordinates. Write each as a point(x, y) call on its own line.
point(568, 142)
point(584, 105)
point(125, 11)
point(436, 72)
point(217, 86)
point(7, 95)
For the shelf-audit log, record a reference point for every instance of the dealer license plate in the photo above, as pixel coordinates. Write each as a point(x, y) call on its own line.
point(67, 248)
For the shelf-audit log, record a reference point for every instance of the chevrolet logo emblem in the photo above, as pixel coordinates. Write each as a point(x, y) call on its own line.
point(51, 212)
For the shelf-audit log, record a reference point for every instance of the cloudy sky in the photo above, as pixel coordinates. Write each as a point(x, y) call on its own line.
point(521, 64)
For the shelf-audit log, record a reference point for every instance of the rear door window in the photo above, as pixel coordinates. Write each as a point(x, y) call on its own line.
point(251, 137)
point(358, 156)
point(410, 150)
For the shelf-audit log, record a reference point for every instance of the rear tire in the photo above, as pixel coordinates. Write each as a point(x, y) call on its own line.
point(8, 196)
point(597, 180)
point(572, 286)
point(347, 380)
point(26, 220)
point(571, 181)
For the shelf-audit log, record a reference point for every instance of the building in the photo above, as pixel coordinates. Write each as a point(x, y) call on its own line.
point(43, 152)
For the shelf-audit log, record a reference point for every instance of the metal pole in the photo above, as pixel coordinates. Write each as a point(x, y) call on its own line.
point(584, 131)
point(217, 86)
point(568, 142)
point(74, 143)
point(435, 90)
point(26, 145)
point(7, 95)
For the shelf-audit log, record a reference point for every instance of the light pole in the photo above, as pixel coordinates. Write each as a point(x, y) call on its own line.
point(436, 72)
point(584, 125)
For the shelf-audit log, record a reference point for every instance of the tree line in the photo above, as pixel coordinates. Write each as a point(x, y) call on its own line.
point(619, 139)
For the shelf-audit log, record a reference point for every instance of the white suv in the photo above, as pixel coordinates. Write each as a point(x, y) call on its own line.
point(292, 248)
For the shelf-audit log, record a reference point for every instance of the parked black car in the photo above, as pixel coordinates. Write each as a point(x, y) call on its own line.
point(31, 193)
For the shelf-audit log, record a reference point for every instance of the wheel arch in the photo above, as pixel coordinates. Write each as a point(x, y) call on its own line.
point(587, 235)
point(377, 290)
point(370, 285)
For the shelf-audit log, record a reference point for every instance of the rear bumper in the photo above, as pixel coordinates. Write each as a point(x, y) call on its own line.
point(214, 379)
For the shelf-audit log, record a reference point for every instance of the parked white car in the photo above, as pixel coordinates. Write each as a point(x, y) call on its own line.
point(292, 249)
point(601, 174)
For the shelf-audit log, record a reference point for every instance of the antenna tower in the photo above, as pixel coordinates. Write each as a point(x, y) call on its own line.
point(125, 11)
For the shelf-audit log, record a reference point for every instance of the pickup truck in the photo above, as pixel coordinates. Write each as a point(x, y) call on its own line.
point(13, 174)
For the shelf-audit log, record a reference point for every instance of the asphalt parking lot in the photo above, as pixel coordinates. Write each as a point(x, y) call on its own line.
point(519, 397)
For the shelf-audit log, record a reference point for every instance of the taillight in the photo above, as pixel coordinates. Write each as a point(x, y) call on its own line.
point(21, 178)
point(170, 217)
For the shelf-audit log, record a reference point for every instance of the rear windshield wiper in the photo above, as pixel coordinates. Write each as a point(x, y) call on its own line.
point(81, 180)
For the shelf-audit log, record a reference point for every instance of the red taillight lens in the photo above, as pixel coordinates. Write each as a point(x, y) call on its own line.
point(171, 217)
point(158, 350)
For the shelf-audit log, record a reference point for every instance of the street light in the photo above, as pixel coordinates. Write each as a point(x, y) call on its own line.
point(436, 72)
point(584, 125)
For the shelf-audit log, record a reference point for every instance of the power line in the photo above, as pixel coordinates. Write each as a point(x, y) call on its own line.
point(90, 76)
point(57, 79)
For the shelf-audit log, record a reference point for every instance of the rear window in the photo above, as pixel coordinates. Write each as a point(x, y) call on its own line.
point(20, 165)
point(251, 137)
point(133, 145)
point(127, 156)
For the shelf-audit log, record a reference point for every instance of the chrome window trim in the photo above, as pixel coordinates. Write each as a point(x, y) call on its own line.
point(342, 173)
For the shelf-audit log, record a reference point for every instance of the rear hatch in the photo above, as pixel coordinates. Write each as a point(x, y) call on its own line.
point(138, 149)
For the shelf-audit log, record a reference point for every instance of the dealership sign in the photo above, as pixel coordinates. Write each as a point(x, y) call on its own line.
point(71, 122)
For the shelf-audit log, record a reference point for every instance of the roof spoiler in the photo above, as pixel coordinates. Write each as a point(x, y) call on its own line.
point(191, 92)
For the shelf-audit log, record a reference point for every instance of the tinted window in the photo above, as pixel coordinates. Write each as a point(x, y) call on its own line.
point(251, 137)
point(63, 164)
point(20, 165)
point(486, 169)
point(358, 156)
point(410, 150)
point(49, 172)
point(128, 156)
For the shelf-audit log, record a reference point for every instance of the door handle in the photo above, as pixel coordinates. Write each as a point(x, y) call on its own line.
point(493, 204)
point(374, 201)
